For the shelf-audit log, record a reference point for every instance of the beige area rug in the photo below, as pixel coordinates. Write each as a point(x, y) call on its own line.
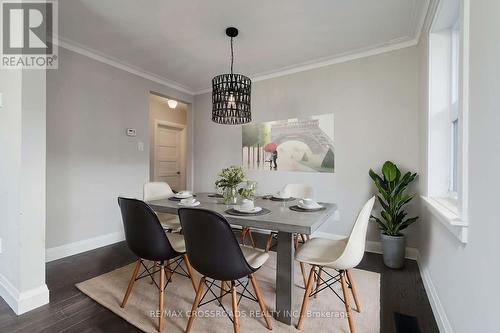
point(326, 313)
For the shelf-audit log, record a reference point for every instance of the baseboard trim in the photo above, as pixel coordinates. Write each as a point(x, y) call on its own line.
point(371, 246)
point(21, 302)
point(85, 245)
point(436, 305)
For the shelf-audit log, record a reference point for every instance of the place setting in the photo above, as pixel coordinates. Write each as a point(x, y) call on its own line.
point(247, 208)
point(280, 196)
point(181, 195)
point(307, 205)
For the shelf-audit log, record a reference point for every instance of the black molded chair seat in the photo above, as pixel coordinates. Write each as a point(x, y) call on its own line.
point(143, 232)
point(146, 237)
point(214, 251)
point(212, 247)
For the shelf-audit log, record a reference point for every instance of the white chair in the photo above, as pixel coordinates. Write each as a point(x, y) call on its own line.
point(298, 191)
point(340, 255)
point(159, 191)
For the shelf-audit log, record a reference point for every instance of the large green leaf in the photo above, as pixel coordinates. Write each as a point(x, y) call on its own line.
point(390, 171)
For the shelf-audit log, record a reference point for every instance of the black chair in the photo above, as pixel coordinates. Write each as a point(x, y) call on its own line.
point(214, 252)
point(147, 239)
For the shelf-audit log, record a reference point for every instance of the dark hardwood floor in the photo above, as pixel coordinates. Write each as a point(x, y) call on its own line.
point(71, 311)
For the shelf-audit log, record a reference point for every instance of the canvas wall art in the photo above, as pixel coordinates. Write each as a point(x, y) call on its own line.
point(297, 144)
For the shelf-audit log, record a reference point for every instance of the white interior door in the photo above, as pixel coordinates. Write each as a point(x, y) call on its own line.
point(168, 156)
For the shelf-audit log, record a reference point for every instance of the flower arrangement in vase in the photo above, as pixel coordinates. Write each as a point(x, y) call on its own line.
point(228, 181)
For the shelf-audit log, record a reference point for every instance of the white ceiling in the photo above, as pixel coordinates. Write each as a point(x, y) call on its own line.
point(184, 42)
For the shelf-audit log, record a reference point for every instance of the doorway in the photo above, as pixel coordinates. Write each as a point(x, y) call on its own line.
point(168, 123)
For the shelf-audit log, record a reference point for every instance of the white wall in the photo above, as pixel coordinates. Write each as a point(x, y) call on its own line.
point(22, 190)
point(90, 160)
point(465, 277)
point(375, 102)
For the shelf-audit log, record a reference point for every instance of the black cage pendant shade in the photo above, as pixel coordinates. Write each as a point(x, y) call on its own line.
point(231, 94)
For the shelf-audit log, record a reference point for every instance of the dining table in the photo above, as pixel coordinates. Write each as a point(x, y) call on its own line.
point(280, 219)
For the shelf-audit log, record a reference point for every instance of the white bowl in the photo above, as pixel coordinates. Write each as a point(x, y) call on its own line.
point(314, 205)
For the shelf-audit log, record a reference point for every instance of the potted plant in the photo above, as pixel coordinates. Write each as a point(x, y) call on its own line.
point(228, 181)
point(393, 216)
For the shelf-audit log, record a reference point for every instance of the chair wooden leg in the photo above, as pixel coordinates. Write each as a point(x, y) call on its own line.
point(251, 238)
point(269, 242)
point(222, 289)
point(234, 298)
point(353, 291)
point(346, 302)
point(162, 290)
point(190, 272)
point(302, 266)
point(131, 283)
point(306, 298)
point(303, 238)
point(318, 282)
point(243, 235)
point(260, 299)
point(153, 274)
point(303, 271)
point(196, 302)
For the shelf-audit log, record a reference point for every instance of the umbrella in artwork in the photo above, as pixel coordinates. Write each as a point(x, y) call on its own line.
point(270, 147)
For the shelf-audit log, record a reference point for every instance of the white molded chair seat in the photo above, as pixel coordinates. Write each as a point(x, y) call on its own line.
point(254, 257)
point(341, 255)
point(177, 242)
point(299, 191)
point(158, 191)
point(169, 221)
point(321, 251)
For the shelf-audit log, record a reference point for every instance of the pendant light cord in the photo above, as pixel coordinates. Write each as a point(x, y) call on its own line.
point(232, 56)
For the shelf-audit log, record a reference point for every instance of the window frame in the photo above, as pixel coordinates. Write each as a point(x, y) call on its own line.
point(447, 165)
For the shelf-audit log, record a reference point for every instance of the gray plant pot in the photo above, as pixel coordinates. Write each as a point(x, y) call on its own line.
point(393, 249)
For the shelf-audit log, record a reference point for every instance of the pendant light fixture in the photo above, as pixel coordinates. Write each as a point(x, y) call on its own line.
point(231, 94)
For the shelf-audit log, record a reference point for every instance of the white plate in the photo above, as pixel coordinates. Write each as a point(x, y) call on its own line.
point(197, 203)
point(315, 206)
point(251, 211)
point(178, 196)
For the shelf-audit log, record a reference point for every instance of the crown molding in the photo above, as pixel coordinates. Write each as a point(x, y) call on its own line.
point(96, 55)
point(432, 11)
point(418, 24)
point(341, 58)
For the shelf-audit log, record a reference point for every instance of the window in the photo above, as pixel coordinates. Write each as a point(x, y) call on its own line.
point(454, 160)
point(454, 110)
point(447, 112)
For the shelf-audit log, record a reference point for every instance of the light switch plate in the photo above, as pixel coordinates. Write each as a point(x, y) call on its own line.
point(140, 146)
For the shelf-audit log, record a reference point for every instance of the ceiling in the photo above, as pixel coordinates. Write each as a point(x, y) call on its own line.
point(184, 42)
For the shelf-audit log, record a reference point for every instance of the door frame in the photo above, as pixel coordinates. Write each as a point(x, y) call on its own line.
point(182, 130)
